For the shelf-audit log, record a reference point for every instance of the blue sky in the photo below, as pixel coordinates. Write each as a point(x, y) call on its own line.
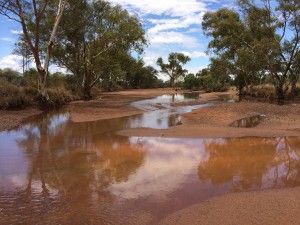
point(171, 26)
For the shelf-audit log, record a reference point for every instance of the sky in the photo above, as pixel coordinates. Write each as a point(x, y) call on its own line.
point(171, 26)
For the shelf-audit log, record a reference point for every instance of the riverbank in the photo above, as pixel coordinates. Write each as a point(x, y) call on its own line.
point(280, 207)
point(210, 122)
point(215, 121)
point(12, 119)
point(109, 105)
point(113, 104)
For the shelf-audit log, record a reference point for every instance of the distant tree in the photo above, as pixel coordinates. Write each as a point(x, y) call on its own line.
point(138, 75)
point(174, 68)
point(191, 82)
point(31, 16)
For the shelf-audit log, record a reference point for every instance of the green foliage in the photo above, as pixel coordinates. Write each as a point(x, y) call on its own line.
point(208, 80)
point(59, 97)
point(258, 41)
point(19, 92)
point(96, 46)
point(174, 68)
point(10, 76)
point(191, 82)
point(213, 80)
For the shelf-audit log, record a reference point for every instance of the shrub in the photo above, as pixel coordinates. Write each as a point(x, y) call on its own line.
point(191, 82)
point(58, 97)
point(262, 92)
point(13, 97)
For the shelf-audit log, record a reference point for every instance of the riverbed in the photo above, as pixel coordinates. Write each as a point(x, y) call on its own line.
point(56, 171)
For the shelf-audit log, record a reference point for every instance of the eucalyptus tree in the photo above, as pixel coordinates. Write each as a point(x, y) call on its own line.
point(229, 44)
point(94, 39)
point(261, 38)
point(30, 14)
point(174, 67)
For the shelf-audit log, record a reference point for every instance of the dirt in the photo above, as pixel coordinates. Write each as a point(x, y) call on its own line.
point(215, 121)
point(113, 104)
point(12, 119)
point(280, 207)
point(267, 207)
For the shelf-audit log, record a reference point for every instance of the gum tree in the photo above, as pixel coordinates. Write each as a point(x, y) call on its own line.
point(30, 14)
point(174, 67)
point(261, 38)
point(94, 45)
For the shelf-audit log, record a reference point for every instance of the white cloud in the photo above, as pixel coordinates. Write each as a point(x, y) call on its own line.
point(14, 62)
point(195, 54)
point(176, 23)
point(166, 7)
point(172, 26)
point(196, 69)
point(16, 31)
point(173, 37)
point(158, 176)
point(11, 61)
point(7, 39)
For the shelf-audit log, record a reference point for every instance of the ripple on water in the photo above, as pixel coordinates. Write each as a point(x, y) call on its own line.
point(54, 171)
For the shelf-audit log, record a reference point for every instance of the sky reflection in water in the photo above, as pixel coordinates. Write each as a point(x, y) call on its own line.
point(51, 169)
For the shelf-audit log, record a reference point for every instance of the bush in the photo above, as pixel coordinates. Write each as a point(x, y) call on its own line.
point(13, 97)
point(262, 92)
point(58, 97)
point(191, 82)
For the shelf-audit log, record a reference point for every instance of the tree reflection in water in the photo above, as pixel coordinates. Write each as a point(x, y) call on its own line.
point(71, 167)
point(252, 163)
point(82, 173)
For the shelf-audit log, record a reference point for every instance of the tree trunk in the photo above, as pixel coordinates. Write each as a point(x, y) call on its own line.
point(87, 87)
point(294, 89)
point(172, 82)
point(43, 94)
point(240, 92)
point(280, 94)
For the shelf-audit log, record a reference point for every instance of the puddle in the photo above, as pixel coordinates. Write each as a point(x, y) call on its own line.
point(248, 122)
point(53, 171)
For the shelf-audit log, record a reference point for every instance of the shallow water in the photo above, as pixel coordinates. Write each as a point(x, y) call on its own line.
point(53, 171)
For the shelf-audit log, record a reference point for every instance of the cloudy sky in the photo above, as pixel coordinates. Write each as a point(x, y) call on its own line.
point(171, 25)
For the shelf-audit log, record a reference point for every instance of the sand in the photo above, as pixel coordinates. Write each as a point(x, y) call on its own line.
point(274, 207)
point(109, 105)
point(12, 119)
point(267, 207)
point(112, 104)
point(214, 121)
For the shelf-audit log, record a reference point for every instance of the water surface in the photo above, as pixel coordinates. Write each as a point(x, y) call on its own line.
point(53, 171)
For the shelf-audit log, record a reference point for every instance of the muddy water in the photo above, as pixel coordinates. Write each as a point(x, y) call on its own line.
point(53, 171)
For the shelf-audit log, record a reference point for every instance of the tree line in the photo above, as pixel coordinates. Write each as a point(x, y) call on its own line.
point(101, 45)
point(97, 42)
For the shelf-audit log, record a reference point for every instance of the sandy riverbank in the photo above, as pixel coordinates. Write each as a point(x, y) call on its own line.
point(113, 104)
point(107, 106)
point(11, 119)
point(273, 207)
point(214, 121)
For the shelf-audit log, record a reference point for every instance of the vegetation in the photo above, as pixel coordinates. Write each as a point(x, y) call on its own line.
point(31, 16)
point(261, 40)
point(174, 67)
point(254, 47)
point(18, 91)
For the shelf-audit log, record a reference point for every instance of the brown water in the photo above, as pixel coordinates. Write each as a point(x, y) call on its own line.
point(53, 171)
